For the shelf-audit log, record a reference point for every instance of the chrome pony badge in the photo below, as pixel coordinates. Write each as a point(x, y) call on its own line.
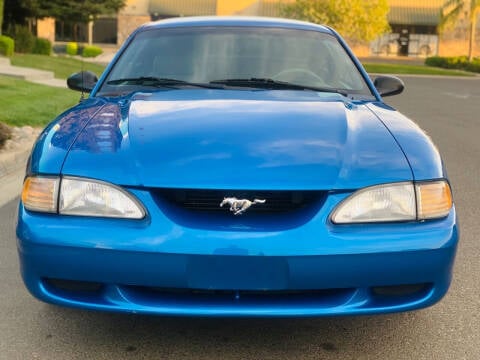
point(239, 206)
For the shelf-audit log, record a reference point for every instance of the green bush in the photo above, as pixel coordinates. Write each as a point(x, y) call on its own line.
point(457, 62)
point(91, 51)
point(454, 62)
point(24, 40)
point(474, 65)
point(437, 61)
point(7, 45)
point(42, 47)
point(5, 134)
point(72, 48)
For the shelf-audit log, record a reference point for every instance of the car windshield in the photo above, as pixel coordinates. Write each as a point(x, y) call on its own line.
point(235, 57)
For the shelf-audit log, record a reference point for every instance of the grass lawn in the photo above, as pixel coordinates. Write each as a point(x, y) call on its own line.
point(411, 69)
point(26, 103)
point(62, 66)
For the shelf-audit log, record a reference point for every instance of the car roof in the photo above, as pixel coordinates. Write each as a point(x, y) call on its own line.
point(247, 21)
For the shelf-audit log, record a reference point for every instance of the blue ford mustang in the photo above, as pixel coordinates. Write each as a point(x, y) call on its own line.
point(236, 167)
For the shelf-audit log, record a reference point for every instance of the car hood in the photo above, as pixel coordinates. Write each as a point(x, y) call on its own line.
point(220, 139)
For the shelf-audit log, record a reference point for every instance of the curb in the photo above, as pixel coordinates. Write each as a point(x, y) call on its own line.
point(12, 172)
point(12, 161)
point(430, 76)
point(16, 150)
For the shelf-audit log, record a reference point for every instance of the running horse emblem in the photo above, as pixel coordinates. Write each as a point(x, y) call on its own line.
point(239, 206)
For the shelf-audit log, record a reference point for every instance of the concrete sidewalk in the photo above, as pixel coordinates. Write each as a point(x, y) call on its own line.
point(28, 74)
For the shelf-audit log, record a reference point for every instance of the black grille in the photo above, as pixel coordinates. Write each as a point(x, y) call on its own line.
point(209, 200)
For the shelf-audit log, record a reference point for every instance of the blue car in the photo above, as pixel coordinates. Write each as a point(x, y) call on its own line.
point(236, 167)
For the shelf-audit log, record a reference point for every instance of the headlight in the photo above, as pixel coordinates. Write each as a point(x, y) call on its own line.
point(94, 198)
point(81, 197)
point(395, 202)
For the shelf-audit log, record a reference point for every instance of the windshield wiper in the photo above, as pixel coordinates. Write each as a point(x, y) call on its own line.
point(159, 82)
point(266, 83)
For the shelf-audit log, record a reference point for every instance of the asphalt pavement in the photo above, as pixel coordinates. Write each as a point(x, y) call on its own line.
point(448, 109)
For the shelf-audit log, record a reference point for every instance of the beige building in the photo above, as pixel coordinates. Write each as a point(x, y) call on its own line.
point(414, 24)
point(136, 11)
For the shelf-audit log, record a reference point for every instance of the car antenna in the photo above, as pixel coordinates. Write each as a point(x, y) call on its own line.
point(82, 95)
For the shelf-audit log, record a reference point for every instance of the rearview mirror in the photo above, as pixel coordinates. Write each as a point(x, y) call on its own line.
point(82, 81)
point(388, 85)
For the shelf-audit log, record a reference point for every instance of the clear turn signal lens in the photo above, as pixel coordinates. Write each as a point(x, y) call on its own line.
point(434, 200)
point(40, 194)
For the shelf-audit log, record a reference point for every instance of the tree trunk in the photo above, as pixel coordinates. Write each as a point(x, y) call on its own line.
point(473, 28)
point(75, 32)
point(471, 40)
point(439, 40)
point(1, 15)
point(90, 32)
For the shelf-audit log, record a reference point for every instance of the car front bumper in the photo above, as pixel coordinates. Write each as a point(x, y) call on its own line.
point(158, 266)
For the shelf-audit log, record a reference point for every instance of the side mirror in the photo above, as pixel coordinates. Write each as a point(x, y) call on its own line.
point(388, 85)
point(83, 81)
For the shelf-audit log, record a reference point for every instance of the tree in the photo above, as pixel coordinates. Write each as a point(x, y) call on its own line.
point(450, 13)
point(357, 20)
point(75, 11)
point(68, 10)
